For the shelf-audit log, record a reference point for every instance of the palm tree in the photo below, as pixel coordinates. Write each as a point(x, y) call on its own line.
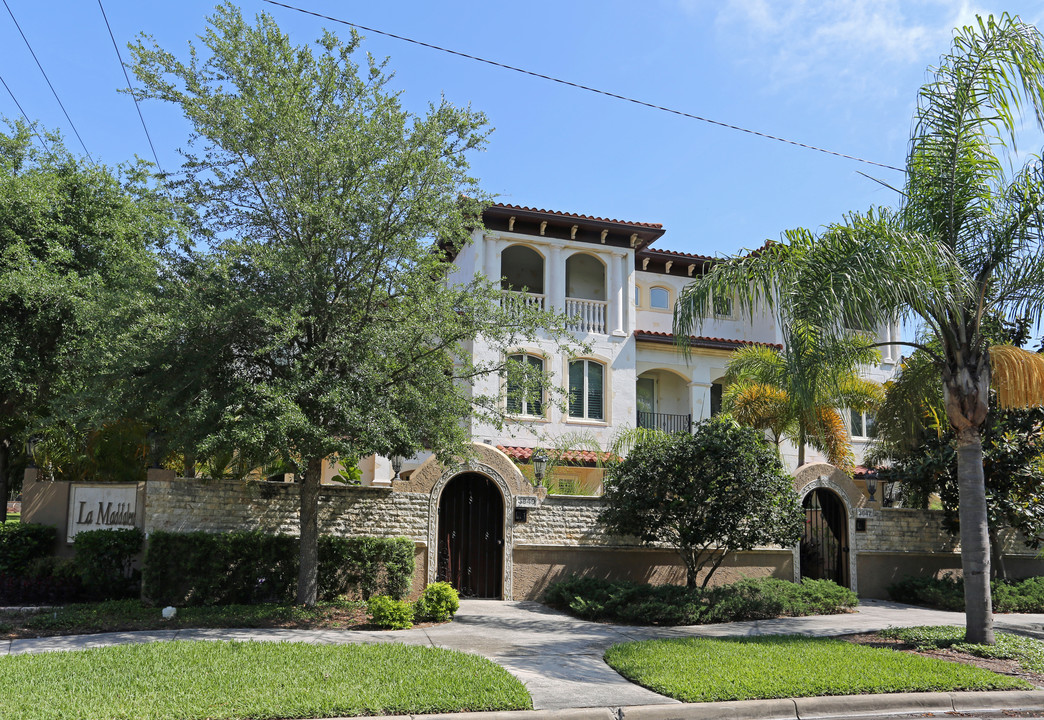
point(796, 393)
point(965, 243)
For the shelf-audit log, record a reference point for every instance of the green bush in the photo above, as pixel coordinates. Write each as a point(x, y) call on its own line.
point(104, 561)
point(21, 544)
point(246, 568)
point(438, 603)
point(643, 604)
point(947, 593)
point(387, 612)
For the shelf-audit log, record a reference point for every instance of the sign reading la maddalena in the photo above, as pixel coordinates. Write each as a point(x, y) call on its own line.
point(101, 507)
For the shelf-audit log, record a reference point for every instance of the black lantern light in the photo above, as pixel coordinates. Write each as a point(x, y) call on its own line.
point(396, 461)
point(539, 466)
point(31, 446)
point(871, 485)
point(154, 440)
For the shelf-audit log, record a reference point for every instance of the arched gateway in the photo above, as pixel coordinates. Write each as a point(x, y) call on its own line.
point(471, 520)
point(828, 497)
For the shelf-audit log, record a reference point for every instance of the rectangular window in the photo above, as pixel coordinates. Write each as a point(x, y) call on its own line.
point(861, 424)
point(659, 298)
point(525, 395)
point(586, 390)
point(723, 307)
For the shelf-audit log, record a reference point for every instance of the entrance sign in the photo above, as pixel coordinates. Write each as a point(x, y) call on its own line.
point(96, 507)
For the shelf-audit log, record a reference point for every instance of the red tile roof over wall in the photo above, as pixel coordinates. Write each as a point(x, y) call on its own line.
point(523, 454)
point(699, 341)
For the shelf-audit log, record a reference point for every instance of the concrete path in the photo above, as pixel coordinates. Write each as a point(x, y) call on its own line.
point(558, 657)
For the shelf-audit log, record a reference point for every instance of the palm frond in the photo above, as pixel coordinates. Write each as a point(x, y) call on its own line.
point(1018, 377)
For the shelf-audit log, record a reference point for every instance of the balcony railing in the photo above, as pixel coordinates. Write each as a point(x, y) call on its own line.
point(517, 300)
point(587, 316)
point(665, 422)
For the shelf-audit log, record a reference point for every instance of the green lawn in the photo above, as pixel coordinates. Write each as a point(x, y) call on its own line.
point(707, 670)
point(121, 615)
point(189, 680)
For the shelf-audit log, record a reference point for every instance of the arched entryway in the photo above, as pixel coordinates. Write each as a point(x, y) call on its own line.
point(470, 534)
point(824, 552)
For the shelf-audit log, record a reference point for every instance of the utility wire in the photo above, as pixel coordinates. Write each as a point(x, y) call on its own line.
point(129, 88)
point(31, 125)
point(71, 124)
point(584, 87)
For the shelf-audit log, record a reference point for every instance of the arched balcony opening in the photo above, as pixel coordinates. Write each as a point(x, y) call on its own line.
point(585, 294)
point(663, 401)
point(522, 273)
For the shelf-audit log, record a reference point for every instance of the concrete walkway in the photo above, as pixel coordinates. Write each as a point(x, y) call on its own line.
point(558, 657)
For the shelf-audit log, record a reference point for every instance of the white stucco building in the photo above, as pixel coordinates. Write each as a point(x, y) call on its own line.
point(619, 291)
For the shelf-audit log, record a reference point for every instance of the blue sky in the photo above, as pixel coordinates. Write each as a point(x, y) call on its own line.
point(840, 74)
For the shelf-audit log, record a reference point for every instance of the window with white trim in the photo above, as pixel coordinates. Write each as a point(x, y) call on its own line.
point(723, 307)
point(659, 298)
point(586, 390)
point(524, 395)
point(861, 424)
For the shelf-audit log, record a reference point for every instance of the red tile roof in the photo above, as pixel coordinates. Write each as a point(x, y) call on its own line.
point(700, 341)
point(523, 454)
point(653, 226)
point(676, 253)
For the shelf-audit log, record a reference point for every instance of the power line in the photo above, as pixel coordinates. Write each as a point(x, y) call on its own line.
point(585, 87)
point(71, 124)
point(141, 117)
point(25, 117)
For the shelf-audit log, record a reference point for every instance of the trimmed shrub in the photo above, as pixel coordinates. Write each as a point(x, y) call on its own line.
point(48, 580)
point(389, 613)
point(438, 603)
point(104, 560)
point(21, 544)
point(642, 604)
point(247, 568)
point(947, 593)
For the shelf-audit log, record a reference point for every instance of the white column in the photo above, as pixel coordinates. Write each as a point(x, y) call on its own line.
point(480, 254)
point(492, 257)
point(627, 274)
point(555, 279)
point(700, 400)
point(617, 295)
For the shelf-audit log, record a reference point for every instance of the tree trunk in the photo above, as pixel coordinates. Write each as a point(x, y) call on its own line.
point(189, 470)
point(308, 570)
point(801, 447)
point(975, 538)
point(5, 463)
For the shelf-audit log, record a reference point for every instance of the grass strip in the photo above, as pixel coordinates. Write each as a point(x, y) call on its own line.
point(709, 670)
point(225, 680)
point(1028, 652)
point(124, 615)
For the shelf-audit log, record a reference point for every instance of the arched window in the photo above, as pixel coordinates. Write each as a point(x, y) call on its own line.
point(525, 391)
point(586, 390)
point(522, 267)
point(659, 298)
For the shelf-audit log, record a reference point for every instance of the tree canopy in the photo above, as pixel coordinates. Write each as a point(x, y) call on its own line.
point(320, 319)
point(78, 246)
point(718, 490)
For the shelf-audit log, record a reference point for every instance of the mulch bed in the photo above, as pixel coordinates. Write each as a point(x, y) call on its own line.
point(1002, 667)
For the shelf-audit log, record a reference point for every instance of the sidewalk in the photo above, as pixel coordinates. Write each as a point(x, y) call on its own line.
point(559, 657)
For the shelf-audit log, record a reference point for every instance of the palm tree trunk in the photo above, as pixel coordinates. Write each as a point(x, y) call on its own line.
point(308, 568)
point(801, 447)
point(975, 539)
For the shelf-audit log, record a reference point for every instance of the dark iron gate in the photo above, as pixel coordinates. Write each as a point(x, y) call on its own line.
point(471, 536)
point(824, 546)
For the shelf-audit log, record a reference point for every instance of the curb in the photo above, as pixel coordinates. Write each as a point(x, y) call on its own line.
point(778, 709)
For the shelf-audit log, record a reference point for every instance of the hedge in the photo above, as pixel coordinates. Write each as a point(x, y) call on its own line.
point(23, 543)
point(644, 604)
point(947, 593)
point(104, 561)
point(253, 567)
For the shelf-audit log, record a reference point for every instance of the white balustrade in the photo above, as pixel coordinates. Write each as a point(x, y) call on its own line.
point(518, 300)
point(587, 316)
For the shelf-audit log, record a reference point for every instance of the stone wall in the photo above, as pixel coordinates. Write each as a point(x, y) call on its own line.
point(185, 505)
